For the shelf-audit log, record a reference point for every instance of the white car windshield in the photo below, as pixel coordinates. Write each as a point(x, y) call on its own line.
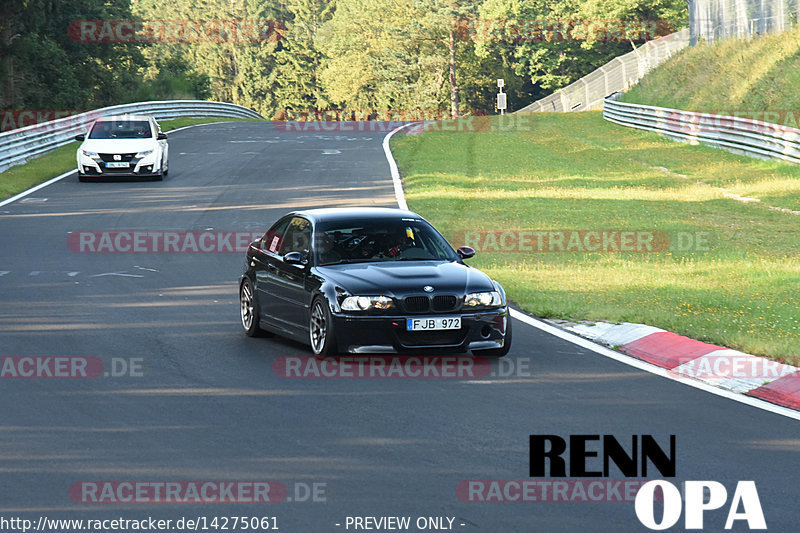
point(128, 129)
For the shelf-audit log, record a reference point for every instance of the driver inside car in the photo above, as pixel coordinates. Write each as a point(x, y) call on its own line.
point(405, 241)
point(326, 249)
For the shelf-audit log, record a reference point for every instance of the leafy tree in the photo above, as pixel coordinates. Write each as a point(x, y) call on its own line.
point(443, 20)
point(478, 81)
point(173, 78)
point(240, 69)
point(41, 66)
point(299, 60)
point(394, 54)
point(361, 54)
point(546, 42)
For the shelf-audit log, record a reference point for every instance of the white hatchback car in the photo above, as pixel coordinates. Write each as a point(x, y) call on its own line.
point(123, 146)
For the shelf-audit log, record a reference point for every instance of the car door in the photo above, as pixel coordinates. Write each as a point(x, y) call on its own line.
point(264, 264)
point(290, 279)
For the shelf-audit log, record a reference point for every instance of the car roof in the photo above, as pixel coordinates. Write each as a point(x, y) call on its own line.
point(123, 118)
point(346, 213)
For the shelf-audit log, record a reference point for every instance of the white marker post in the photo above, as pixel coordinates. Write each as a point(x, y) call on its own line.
point(501, 96)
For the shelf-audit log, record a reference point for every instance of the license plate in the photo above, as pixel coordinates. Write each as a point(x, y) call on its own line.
point(118, 165)
point(433, 323)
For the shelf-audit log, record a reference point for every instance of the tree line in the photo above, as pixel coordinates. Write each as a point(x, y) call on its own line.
point(279, 56)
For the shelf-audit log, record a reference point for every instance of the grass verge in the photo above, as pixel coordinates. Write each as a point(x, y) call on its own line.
point(738, 288)
point(21, 177)
point(752, 77)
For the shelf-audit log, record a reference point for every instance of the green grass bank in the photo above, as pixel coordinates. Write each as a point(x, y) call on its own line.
point(563, 172)
point(753, 77)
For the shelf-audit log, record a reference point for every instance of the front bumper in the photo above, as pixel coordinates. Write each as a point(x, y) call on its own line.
point(110, 176)
point(387, 334)
point(95, 167)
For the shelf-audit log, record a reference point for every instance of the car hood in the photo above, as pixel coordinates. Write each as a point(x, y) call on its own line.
point(403, 278)
point(118, 146)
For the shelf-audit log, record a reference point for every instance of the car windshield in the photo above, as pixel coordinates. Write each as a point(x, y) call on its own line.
point(121, 129)
point(372, 240)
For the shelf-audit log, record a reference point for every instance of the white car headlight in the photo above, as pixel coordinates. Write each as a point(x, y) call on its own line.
point(364, 303)
point(143, 153)
point(483, 299)
point(87, 153)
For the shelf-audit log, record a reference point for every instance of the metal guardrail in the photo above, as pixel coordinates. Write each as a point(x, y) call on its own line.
point(20, 145)
point(740, 135)
point(616, 75)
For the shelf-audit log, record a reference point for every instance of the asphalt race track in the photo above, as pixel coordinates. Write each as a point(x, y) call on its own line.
point(206, 403)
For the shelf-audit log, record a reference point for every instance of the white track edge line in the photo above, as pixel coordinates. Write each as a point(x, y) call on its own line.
point(35, 188)
point(60, 177)
point(399, 194)
point(589, 345)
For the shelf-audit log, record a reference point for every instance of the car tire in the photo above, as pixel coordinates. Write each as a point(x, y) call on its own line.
point(249, 311)
point(498, 352)
point(166, 168)
point(320, 329)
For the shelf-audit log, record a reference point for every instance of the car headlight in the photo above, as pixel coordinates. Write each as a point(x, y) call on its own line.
point(87, 153)
point(144, 153)
point(483, 299)
point(364, 303)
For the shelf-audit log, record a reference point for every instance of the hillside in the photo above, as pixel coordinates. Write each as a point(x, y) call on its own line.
point(758, 78)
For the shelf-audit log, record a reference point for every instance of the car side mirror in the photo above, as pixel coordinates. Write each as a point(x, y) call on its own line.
point(161, 136)
point(80, 137)
point(294, 258)
point(465, 252)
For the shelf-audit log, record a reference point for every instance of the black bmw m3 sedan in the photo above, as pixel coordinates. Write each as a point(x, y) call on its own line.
point(370, 280)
